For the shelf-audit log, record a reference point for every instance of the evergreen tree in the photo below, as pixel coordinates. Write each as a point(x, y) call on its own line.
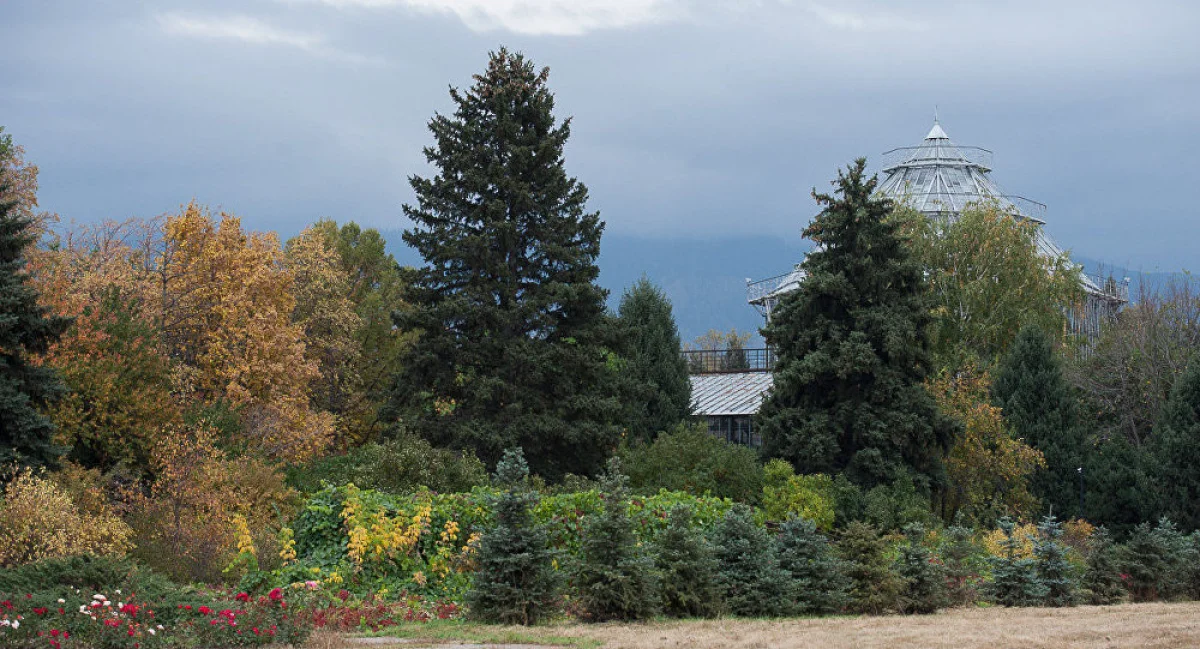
point(688, 568)
point(26, 329)
point(1102, 583)
point(1122, 485)
point(513, 343)
point(874, 586)
point(819, 581)
point(514, 581)
point(853, 350)
point(1038, 405)
point(1177, 449)
point(748, 574)
point(656, 372)
point(1054, 572)
point(960, 559)
point(1014, 578)
point(924, 578)
point(615, 577)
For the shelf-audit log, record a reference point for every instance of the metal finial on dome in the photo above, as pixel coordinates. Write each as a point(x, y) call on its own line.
point(936, 133)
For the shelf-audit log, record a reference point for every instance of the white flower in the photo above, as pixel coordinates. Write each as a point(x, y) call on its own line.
point(120, 604)
point(16, 624)
point(160, 627)
point(62, 601)
point(98, 597)
point(152, 631)
point(118, 591)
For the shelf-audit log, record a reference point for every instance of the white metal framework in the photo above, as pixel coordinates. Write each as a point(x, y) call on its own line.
point(940, 178)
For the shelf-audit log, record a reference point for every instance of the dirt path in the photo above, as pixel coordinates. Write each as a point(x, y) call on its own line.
point(1140, 626)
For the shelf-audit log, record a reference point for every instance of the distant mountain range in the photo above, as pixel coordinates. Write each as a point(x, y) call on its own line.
point(706, 279)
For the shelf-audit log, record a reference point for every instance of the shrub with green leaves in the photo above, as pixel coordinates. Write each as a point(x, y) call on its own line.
point(874, 586)
point(687, 567)
point(819, 583)
point(1102, 583)
point(1054, 571)
point(806, 496)
point(615, 577)
point(924, 578)
point(691, 460)
point(890, 507)
point(748, 573)
point(514, 582)
point(1015, 580)
point(400, 465)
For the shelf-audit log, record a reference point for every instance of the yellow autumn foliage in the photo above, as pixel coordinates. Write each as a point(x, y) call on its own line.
point(40, 520)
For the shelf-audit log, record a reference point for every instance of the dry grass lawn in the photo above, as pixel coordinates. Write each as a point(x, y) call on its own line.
point(1159, 626)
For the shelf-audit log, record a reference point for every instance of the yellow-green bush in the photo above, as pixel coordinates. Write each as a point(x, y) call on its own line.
point(40, 520)
point(807, 496)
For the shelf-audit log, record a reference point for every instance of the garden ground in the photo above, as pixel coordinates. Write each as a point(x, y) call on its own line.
point(1159, 626)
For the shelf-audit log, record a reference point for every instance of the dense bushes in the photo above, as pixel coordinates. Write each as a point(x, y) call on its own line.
point(691, 460)
point(39, 519)
point(399, 465)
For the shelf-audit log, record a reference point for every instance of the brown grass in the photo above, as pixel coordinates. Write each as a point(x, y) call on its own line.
point(1142, 626)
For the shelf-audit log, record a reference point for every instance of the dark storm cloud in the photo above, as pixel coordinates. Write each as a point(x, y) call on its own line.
point(692, 118)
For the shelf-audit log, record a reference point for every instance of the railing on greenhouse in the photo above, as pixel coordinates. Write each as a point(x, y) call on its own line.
point(715, 361)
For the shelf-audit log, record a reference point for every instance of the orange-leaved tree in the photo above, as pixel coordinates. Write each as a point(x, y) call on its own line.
point(988, 469)
point(226, 311)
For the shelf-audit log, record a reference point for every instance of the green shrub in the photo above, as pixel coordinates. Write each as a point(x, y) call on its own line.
point(806, 496)
point(1102, 583)
point(818, 578)
point(400, 465)
point(891, 507)
point(688, 569)
point(874, 586)
point(88, 573)
point(514, 581)
point(615, 576)
point(849, 501)
point(1015, 579)
point(924, 579)
point(748, 573)
point(1054, 572)
point(691, 460)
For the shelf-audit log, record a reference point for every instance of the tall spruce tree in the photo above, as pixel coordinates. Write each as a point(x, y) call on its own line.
point(655, 371)
point(512, 349)
point(1037, 403)
point(1177, 449)
point(26, 328)
point(853, 350)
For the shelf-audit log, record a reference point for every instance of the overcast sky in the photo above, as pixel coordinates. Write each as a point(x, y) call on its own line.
point(692, 118)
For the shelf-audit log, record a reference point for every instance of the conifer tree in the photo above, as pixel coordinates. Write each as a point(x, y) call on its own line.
point(615, 577)
point(656, 372)
point(1054, 572)
point(1038, 405)
point(514, 581)
point(688, 568)
point(748, 573)
point(853, 350)
point(924, 579)
point(1102, 583)
point(819, 581)
point(960, 557)
point(874, 586)
point(513, 348)
point(26, 329)
point(1177, 449)
point(1015, 579)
